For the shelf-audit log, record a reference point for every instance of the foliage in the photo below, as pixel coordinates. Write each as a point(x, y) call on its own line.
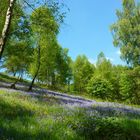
point(82, 72)
point(17, 58)
point(43, 21)
point(17, 54)
point(55, 68)
point(45, 25)
point(100, 88)
point(126, 32)
point(116, 83)
point(33, 50)
point(103, 67)
point(17, 14)
point(127, 86)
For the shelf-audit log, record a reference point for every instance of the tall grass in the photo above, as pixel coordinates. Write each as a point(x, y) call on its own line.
point(28, 118)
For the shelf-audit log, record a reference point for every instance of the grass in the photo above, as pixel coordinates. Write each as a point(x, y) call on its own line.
point(6, 78)
point(87, 96)
point(24, 117)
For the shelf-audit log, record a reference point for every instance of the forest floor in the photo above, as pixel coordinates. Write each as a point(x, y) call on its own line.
point(47, 115)
point(69, 100)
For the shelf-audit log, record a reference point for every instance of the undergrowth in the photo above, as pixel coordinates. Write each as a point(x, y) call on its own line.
point(30, 118)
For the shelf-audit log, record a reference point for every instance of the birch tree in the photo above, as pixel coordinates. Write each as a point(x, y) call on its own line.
point(6, 26)
point(126, 32)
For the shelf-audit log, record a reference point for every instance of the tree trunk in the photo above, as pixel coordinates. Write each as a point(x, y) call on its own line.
point(6, 26)
point(38, 67)
point(68, 84)
point(13, 86)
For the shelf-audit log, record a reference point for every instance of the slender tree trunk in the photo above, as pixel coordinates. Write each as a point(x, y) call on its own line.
point(38, 67)
point(14, 84)
point(53, 82)
point(14, 74)
point(6, 26)
point(68, 86)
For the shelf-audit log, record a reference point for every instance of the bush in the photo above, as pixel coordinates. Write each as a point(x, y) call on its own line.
point(100, 88)
point(126, 86)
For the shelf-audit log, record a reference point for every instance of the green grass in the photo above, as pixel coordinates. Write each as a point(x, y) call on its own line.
point(87, 96)
point(6, 78)
point(27, 118)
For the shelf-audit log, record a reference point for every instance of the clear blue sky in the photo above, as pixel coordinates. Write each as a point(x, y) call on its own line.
point(87, 29)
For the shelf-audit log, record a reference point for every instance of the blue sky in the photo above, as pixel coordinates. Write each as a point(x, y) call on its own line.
point(87, 29)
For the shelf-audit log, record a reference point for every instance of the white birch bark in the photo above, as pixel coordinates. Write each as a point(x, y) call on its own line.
point(6, 26)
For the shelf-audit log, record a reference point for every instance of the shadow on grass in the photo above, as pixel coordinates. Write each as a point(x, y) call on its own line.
point(12, 111)
point(117, 112)
point(6, 78)
point(107, 128)
point(19, 123)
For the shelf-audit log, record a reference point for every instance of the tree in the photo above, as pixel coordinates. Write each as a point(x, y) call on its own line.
point(6, 26)
point(64, 75)
point(100, 58)
point(18, 61)
point(54, 7)
point(9, 23)
point(100, 87)
point(55, 69)
point(133, 77)
point(102, 82)
point(82, 72)
point(126, 32)
point(18, 51)
point(37, 68)
point(48, 63)
point(136, 77)
point(117, 70)
point(46, 18)
point(127, 86)
point(103, 67)
point(45, 26)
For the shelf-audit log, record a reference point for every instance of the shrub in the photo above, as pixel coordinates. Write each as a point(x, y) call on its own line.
point(126, 86)
point(100, 88)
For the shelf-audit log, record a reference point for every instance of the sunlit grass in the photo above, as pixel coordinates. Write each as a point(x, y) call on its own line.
point(6, 78)
point(24, 117)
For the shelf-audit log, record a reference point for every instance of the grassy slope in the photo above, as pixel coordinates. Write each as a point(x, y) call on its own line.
point(27, 118)
point(6, 78)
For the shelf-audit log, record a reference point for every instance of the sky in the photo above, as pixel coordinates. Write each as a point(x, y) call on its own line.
point(87, 29)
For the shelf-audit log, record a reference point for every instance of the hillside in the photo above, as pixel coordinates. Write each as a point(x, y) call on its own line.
point(69, 70)
point(43, 114)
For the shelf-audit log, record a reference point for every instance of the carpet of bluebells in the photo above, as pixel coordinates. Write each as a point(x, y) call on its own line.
point(26, 117)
